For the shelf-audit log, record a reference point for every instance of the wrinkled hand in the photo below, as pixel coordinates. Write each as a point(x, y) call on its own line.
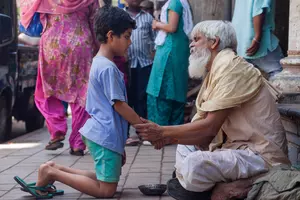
point(154, 25)
point(159, 144)
point(149, 131)
point(253, 48)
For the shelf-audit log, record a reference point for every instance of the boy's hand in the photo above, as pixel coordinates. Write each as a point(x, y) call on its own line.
point(124, 158)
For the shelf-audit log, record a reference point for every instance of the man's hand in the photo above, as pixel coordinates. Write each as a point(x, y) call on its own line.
point(159, 144)
point(149, 131)
point(253, 48)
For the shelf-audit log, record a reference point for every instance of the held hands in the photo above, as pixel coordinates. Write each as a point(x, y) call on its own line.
point(151, 132)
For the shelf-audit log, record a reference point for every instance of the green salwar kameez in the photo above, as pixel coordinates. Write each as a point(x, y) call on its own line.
point(167, 86)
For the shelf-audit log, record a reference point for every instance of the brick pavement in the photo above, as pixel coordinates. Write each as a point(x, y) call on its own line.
point(23, 155)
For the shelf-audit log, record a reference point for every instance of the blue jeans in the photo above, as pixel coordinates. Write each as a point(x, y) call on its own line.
point(270, 64)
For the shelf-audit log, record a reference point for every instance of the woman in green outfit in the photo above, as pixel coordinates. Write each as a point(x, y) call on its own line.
point(167, 86)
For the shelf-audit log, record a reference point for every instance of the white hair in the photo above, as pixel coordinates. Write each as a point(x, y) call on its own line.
point(212, 29)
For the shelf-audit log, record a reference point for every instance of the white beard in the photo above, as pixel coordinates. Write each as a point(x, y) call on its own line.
point(198, 61)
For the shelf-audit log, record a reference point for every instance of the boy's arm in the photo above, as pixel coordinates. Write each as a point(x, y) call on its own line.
point(127, 112)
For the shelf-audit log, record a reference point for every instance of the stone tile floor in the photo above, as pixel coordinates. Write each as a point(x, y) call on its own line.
point(23, 155)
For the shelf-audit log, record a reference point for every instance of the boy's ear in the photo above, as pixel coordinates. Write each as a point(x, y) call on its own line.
point(109, 35)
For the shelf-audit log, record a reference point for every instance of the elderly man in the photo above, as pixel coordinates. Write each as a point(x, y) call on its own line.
point(236, 134)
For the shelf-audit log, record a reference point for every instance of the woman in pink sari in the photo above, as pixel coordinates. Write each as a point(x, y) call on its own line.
point(65, 56)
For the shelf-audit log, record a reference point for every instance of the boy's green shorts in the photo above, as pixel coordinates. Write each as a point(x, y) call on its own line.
point(108, 164)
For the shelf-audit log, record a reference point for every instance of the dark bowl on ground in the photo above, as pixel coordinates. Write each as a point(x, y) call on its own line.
point(153, 189)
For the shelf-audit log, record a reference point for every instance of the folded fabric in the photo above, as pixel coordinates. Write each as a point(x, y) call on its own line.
point(279, 184)
point(35, 27)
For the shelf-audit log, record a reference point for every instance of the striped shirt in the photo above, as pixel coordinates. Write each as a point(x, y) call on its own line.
point(142, 38)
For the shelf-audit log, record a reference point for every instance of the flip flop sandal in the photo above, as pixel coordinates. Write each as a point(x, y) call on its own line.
point(54, 145)
point(176, 191)
point(132, 142)
point(76, 153)
point(52, 188)
point(33, 190)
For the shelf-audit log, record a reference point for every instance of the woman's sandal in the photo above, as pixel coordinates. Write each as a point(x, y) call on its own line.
point(50, 188)
point(133, 141)
point(55, 144)
point(37, 192)
point(79, 152)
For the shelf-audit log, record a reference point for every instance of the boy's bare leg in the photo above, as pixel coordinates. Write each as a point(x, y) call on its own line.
point(81, 183)
point(70, 170)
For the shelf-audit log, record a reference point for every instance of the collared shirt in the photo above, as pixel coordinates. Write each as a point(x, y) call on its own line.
point(106, 127)
point(242, 21)
point(142, 38)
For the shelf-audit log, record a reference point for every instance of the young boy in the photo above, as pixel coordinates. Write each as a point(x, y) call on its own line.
point(140, 58)
point(105, 133)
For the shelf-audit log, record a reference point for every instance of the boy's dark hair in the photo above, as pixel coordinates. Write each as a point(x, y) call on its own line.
point(113, 19)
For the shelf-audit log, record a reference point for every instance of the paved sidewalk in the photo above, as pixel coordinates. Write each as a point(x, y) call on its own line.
point(23, 155)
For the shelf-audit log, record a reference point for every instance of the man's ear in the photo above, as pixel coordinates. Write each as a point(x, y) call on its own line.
point(216, 43)
point(109, 36)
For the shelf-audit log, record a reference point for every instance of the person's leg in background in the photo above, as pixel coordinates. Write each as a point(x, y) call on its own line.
point(159, 110)
point(79, 117)
point(133, 139)
point(66, 105)
point(140, 99)
point(53, 111)
point(177, 116)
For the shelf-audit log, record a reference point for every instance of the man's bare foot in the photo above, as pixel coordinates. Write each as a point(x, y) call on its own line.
point(233, 190)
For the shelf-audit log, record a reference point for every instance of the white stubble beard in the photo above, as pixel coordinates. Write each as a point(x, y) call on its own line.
point(199, 59)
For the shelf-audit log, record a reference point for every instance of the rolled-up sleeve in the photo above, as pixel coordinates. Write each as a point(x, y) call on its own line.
point(260, 5)
point(113, 85)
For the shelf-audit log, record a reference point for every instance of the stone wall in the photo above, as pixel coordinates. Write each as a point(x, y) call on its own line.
point(293, 135)
point(290, 117)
